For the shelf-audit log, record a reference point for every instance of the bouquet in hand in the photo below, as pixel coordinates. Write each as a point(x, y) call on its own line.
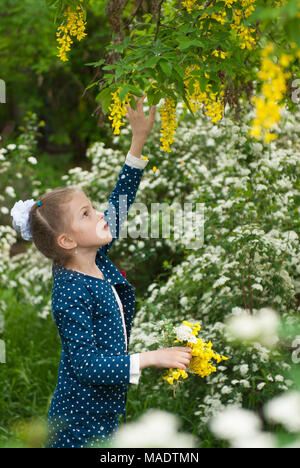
point(202, 353)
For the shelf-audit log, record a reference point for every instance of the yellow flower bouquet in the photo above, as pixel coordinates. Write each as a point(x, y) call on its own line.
point(202, 353)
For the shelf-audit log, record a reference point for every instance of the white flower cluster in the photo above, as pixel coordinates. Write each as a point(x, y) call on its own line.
point(153, 429)
point(244, 429)
point(241, 427)
point(260, 327)
point(184, 333)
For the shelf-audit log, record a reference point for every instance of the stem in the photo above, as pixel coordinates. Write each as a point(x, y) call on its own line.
point(158, 20)
point(249, 285)
point(244, 294)
point(127, 23)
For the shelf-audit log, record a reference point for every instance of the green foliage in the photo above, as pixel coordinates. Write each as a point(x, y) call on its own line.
point(157, 51)
point(37, 81)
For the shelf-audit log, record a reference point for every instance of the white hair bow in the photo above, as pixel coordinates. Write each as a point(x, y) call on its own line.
point(20, 213)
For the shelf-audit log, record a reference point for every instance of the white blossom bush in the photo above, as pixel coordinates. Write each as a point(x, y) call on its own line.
point(153, 429)
point(246, 429)
point(235, 210)
point(250, 258)
point(252, 374)
point(249, 261)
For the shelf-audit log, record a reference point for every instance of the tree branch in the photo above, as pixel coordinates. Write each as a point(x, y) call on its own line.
point(158, 20)
point(127, 23)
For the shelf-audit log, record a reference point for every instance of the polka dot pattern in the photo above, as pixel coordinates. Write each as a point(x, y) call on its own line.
point(94, 367)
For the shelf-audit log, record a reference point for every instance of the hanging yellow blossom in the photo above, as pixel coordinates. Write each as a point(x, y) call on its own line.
point(213, 105)
point(273, 88)
point(190, 4)
point(220, 17)
point(169, 123)
point(74, 25)
point(202, 353)
point(118, 110)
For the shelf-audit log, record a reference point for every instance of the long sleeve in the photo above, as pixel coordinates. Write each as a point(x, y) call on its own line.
point(133, 161)
point(123, 196)
point(76, 330)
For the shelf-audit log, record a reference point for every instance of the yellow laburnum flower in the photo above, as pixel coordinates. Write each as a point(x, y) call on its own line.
point(73, 25)
point(213, 107)
point(118, 110)
point(189, 4)
point(273, 90)
point(219, 17)
point(285, 59)
point(169, 123)
point(229, 3)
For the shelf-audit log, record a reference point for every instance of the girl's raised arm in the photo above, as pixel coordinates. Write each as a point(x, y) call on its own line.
point(124, 192)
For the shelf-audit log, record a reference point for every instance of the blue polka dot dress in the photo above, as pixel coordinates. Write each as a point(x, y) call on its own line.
point(95, 367)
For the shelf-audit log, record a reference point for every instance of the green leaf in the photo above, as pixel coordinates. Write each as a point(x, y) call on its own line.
point(105, 97)
point(179, 69)
point(203, 83)
point(123, 92)
point(109, 67)
point(92, 85)
point(137, 92)
point(152, 62)
point(188, 105)
point(153, 98)
point(183, 45)
point(109, 77)
point(292, 29)
point(96, 64)
point(166, 67)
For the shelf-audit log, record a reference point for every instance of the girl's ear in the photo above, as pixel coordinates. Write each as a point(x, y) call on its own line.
point(66, 242)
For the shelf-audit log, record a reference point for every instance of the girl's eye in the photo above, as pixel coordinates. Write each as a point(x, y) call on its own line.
point(85, 213)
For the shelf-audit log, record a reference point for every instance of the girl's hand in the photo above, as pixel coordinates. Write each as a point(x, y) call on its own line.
point(176, 357)
point(140, 124)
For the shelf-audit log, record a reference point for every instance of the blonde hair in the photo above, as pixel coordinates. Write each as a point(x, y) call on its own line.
point(48, 221)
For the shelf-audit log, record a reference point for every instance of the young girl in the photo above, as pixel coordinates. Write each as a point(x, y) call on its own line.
point(92, 302)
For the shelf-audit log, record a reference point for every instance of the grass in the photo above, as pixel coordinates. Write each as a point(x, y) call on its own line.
point(28, 377)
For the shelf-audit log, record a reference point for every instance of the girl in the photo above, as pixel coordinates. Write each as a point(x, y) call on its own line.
point(92, 302)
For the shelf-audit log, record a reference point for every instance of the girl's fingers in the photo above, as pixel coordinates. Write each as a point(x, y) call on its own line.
point(139, 105)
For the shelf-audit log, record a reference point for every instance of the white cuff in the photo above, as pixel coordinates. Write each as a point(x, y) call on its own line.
point(135, 372)
point(133, 161)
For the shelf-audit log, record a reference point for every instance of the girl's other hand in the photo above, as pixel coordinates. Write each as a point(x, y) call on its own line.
point(176, 357)
point(140, 124)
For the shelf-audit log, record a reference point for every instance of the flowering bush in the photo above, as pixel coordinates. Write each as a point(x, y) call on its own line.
point(153, 429)
point(243, 428)
point(249, 260)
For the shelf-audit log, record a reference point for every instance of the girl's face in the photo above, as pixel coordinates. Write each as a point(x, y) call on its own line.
point(88, 226)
